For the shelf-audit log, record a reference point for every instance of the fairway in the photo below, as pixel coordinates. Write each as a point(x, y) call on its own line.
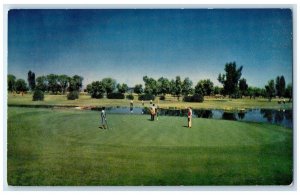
point(66, 147)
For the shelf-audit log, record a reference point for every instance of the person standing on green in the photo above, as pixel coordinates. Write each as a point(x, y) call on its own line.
point(103, 118)
point(152, 112)
point(190, 115)
point(131, 106)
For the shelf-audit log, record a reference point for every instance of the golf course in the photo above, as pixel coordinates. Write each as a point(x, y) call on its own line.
point(149, 96)
point(66, 147)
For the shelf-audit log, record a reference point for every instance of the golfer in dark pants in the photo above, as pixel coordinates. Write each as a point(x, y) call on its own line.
point(190, 115)
point(131, 106)
point(152, 112)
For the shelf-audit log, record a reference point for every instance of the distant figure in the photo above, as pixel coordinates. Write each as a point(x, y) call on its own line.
point(142, 102)
point(190, 114)
point(150, 102)
point(152, 112)
point(103, 118)
point(131, 106)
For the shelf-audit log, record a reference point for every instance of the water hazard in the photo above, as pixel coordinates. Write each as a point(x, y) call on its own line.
point(280, 117)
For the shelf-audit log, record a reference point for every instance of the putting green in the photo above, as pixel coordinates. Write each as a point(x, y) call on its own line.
point(137, 151)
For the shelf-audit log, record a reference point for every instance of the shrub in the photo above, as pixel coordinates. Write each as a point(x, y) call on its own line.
point(162, 97)
point(97, 95)
point(146, 97)
point(130, 97)
point(194, 98)
point(72, 95)
point(187, 98)
point(38, 95)
point(115, 96)
point(197, 98)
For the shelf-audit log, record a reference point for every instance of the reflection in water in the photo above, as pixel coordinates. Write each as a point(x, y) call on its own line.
point(203, 113)
point(268, 114)
point(229, 116)
point(281, 117)
point(241, 115)
point(288, 114)
point(170, 112)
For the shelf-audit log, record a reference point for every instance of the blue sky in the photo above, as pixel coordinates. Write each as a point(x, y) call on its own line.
point(129, 44)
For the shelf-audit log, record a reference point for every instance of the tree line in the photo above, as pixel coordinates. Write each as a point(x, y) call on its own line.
point(234, 86)
point(52, 83)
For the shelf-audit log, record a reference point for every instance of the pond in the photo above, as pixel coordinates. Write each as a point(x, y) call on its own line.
point(280, 117)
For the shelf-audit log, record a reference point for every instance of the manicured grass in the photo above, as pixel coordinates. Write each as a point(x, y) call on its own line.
point(66, 147)
point(209, 103)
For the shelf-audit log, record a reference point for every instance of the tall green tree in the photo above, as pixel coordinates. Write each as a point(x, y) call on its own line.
point(270, 89)
point(173, 87)
point(289, 92)
point(163, 85)
point(187, 86)
point(75, 83)
point(11, 82)
point(151, 86)
point(254, 92)
point(53, 85)
point(122, 88)
point(42, 83)
point(138, 89)
point(89, 88)
point(231, 78)
point(178, 87)
point(96, 89)
point(280, 86)
point(199, 88)
point(63, 81)
point(21, 86)
point(31, 80)
point(243, 86)
point(109, 85)
point(204, 87)
point(217, 90)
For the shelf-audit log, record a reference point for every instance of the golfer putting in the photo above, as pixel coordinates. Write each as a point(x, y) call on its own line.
point(103, 119)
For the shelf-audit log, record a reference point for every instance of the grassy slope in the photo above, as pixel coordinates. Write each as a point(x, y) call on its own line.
point(66, 147)
point(209, 103)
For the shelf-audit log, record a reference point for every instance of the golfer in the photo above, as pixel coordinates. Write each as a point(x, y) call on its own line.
point(190, 114)
point(103, 118)
point(152, 112)
point(131, 106)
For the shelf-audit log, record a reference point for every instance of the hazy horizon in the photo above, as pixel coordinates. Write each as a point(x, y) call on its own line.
point(127, 44)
